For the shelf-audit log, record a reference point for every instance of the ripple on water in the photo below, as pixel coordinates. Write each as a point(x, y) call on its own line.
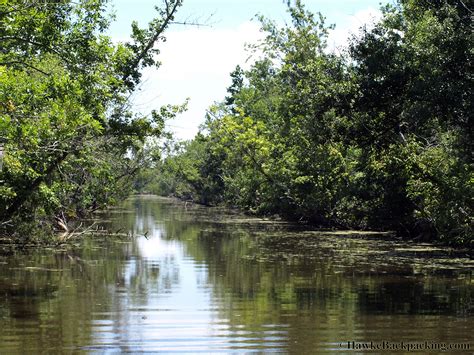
point(210, 280)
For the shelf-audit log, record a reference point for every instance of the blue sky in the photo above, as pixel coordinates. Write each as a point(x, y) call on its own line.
point(196, 62)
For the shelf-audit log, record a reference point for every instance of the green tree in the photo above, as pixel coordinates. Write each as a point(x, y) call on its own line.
point(379, 137)
point(412, 117)
point(69, 136)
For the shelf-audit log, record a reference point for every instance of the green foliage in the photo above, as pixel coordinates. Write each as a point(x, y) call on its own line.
point(379, 137)
point(71, 143)
point(189, 171)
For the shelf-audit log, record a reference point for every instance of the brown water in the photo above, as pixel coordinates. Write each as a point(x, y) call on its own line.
point(208, 280)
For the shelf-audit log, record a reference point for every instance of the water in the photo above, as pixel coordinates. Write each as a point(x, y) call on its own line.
point(209, 280)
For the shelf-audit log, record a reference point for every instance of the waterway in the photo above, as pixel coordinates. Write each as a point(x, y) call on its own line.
point(186, 278)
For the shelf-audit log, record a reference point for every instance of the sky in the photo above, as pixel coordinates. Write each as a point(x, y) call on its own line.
point(197, 61)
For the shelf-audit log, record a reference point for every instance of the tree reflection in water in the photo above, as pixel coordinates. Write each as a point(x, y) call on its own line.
point(210, 279)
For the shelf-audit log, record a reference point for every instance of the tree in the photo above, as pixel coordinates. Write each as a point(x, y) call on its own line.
point(68, 134)
point(379, 137)
point(412, 116)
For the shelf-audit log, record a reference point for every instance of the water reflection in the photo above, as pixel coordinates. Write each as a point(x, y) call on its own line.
point(204, 280)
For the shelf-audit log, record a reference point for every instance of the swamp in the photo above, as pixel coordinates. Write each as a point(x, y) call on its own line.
point(202, 280)
point(323, 203)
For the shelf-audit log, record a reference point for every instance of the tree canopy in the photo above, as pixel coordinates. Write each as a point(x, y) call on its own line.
point(70, 139)
point(377, 137)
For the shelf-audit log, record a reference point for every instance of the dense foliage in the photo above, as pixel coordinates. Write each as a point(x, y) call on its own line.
point(378, 137)
point(70, 142)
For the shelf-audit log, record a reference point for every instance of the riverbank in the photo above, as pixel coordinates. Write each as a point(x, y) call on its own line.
point(422, 237)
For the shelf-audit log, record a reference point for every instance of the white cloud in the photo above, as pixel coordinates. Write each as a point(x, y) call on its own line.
point(196, 63)
point(350, 25)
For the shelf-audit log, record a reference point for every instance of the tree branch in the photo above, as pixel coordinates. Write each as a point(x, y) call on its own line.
point(26, 65)
point(169, 17)
point(38, 44)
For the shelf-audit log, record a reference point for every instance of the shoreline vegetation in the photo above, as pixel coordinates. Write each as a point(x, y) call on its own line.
point(70, 141)
point(95, 227)
point(375, 137)
point(418, 245)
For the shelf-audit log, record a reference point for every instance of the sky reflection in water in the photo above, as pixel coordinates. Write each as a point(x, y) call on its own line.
point(211, 280)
